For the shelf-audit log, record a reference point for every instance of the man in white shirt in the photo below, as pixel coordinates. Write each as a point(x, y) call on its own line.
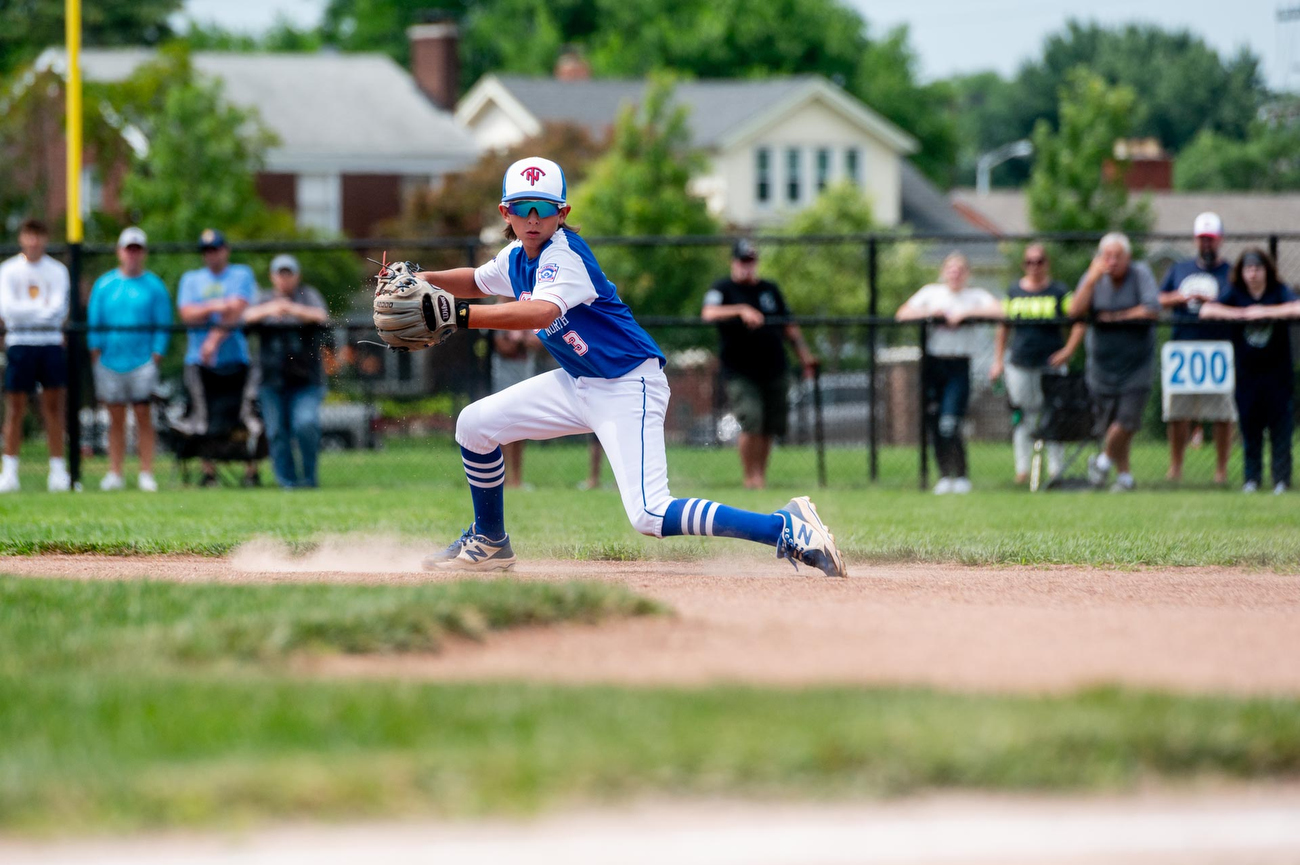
point(33, 306)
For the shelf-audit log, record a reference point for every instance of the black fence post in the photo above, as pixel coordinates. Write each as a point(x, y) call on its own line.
point(76, 339)
point(924, 436)
point(1272, 251)
point(873, 399)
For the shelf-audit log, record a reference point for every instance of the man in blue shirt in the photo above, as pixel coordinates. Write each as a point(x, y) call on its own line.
point(1189, 285)
point(125, 358)
point(212, 301)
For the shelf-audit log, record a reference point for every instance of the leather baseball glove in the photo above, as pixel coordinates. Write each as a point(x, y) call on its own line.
point(411, 314)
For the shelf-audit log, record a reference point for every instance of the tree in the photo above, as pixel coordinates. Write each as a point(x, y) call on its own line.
point(29, 26)
point(1071, 187)
point(1267, 160)
point(824, 279)
point(639, 187)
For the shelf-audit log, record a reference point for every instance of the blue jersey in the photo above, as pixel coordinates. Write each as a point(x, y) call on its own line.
point(595, 335)
point(196, 286)
point(1200, 286)
point(128, 302)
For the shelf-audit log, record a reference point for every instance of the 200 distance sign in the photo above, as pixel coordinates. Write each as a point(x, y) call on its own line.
point(1194, 366)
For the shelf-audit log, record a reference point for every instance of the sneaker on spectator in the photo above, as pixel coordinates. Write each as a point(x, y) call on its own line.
point(1250, 487)
point(943, 487)
point(1096, 474)
point(209, 479)
point(253, 480)
point(1123, 484)
point(1280, 488)
point(146, 483)
point(112, 481)
point(961, 486)
point(9, 483)
point(58, 482)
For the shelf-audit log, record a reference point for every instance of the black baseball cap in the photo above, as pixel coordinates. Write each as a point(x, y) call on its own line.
point(211, 239)
point(744, 250)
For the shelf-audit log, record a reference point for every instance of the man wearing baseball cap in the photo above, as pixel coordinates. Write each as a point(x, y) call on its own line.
point(124, 357)
point(1187, 286)
point(753, 356)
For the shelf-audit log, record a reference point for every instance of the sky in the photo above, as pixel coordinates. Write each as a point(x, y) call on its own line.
point(961, 36)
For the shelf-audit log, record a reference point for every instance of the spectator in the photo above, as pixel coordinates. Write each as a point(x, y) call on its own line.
point(513, 361)
point(945, 369)
point(1036, 348)
point(1122, 300)
point(125, 360)
point(1187, 286)
point(753, 357)
point(1265, 399)
point(33, 306)
point(292, 375)
point(212, 301)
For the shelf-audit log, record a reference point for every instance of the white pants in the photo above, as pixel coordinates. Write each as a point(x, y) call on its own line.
point(1025, 390)
point(625, 413)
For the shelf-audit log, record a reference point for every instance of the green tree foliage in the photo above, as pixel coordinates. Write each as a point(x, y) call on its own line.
point(29, 26)
point(824, 279)
point(1267, 160)
point(639, 187)
point(1181, 86)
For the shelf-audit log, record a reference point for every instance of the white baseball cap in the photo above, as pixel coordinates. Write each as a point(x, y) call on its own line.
point(1208, 224)
point(534, 177)
point(132, 237)
point(285, 261)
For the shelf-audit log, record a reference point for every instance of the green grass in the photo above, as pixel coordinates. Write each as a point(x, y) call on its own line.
point(417, 492)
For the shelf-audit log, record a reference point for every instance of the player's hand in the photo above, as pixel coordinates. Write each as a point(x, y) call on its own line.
point(995, 370)
point(1060, 358)
point(207, 353)
point(954, 317)
point(752, 318)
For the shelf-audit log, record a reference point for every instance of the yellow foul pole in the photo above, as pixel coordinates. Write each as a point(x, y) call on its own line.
point(73, 38)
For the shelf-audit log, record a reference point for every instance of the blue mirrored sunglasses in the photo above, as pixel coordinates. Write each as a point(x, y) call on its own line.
point(525, 206)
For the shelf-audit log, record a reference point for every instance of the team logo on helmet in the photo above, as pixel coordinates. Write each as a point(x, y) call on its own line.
point(532, 174)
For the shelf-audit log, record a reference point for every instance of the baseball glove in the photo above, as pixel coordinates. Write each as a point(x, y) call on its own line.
point(411, 314)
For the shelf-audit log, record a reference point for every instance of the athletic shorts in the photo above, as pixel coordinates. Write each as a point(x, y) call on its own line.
point(29, 365)
point(760, 407)
point(1124, 409)
point(118, 388)
point(1198, 407)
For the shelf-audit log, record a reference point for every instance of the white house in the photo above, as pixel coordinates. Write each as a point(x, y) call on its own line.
point(773, 144)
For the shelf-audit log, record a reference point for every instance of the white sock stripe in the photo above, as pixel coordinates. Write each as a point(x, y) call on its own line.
point(708, 518)
point(686, 512)
point(697, 521)
point(487, 475)
point(489, 484)
point(500, 461)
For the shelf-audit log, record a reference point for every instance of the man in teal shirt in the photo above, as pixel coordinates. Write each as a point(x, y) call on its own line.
point(125, 355)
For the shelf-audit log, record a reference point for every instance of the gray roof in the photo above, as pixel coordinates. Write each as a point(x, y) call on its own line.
point(927, 209)
point(716, 107)
point(331, 112)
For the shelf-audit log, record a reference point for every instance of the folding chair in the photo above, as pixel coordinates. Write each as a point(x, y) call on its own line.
point(1066, 419)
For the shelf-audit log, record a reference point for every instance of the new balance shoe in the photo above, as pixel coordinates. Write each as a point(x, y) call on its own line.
point(806, 539)
point(473, 552)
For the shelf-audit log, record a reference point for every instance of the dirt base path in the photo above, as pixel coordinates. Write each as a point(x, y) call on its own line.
point(756, 621)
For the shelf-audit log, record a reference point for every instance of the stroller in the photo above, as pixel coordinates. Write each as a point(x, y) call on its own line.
point(1066, 419)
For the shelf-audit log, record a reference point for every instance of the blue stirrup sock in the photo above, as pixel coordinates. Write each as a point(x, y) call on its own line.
point(703, 517)
point(486, 474)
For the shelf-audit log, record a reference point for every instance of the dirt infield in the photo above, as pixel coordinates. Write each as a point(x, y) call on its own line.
point(756, 621)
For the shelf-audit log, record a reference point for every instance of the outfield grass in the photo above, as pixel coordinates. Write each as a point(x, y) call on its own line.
point(118, 710)
point(418, 493)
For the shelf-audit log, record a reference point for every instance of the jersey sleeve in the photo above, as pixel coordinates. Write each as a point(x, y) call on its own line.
point(1288, 293)
point(185, 290)
point(782, 308)
point(1167, 285)
point(245, 287)
point(1148, 292)
point(494, 277)
point(716, 295)
point(563, 280)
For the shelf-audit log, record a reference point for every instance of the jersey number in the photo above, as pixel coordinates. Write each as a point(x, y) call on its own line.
point(575, 342)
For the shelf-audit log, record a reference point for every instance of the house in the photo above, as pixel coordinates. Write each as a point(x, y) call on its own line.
point(355, 131)
point(772, 143)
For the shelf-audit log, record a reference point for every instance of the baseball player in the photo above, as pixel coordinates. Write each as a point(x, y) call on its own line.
point(610, 382)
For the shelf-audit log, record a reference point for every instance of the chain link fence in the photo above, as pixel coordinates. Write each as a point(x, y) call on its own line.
point(388, 418)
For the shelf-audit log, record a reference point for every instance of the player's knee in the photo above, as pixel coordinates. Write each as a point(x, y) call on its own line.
point(469, 430)
point(644, 522)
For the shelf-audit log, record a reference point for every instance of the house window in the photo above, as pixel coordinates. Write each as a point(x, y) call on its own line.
point(823, 168)
point(763, 175)
point(852, 171)
point(792, 180)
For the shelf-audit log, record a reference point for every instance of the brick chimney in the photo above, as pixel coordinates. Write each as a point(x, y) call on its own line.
point(572, 66)
point(435, 61)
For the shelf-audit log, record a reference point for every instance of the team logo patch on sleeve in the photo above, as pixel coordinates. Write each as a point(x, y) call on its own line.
point(548, 273)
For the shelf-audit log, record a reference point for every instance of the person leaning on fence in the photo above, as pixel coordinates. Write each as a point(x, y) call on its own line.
point(290, 320)
point(34, 292)
point(945, 369)
point(1036, 348)
point(125, 354)
point(753, 358)
point(1187, 286)
point(1265, 376)
point(1120, 298)
point(212, 301)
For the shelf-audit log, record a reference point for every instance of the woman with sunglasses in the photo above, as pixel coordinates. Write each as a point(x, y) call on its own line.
point(610, 383)
point(1037, 346)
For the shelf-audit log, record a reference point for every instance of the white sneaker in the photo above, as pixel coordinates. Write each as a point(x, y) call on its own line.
point(1250, 487)
point(473, 552)
point(146, 483)
point(58, 482)
point(1279, 488)
point(1096, 474)
point(943, 487)
point(1123, 484)
point(112, 481)
point(961, 486)
point(806, 539)
point(9, 483)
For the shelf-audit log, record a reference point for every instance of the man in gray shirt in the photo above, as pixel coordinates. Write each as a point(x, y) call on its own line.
point(1122, 300)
